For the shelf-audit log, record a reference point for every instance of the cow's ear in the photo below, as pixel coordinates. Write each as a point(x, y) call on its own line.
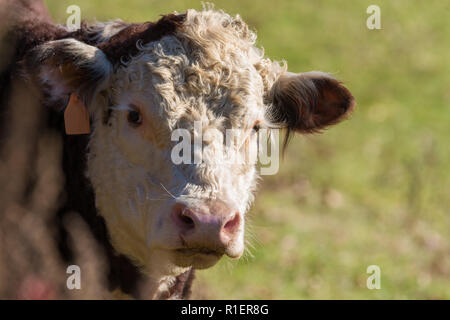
point(308, 102)
point(69, 66)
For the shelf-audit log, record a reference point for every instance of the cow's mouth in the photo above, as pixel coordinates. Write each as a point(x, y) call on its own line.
point(199, 258)
point(196, 251)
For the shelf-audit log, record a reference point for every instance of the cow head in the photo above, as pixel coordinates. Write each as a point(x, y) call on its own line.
point(191, 76)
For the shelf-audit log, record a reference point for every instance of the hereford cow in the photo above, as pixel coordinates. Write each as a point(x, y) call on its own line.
point(140, 82)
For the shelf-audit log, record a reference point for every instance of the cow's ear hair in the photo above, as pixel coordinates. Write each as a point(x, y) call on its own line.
point(309, 102)
point(69, 66)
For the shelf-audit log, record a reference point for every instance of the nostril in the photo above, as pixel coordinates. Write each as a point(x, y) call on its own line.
point(187, 220)
point(233, 224)
point(182, 218)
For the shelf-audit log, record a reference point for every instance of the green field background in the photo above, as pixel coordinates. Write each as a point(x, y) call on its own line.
point(375, 190)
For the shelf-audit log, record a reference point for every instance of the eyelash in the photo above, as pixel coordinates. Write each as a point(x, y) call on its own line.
point(136, 122)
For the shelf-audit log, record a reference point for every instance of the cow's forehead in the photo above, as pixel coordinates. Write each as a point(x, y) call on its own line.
point(209, 68)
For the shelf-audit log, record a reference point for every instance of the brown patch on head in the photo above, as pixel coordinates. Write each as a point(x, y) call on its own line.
point(123, 44)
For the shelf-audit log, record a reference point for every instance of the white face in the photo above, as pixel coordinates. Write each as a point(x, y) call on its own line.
point(205, 79)
point(186, 214)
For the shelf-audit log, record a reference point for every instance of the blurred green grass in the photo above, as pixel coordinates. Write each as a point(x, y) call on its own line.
point(373, 190)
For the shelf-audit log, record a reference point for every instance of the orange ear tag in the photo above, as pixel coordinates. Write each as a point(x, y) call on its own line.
point(76, 117)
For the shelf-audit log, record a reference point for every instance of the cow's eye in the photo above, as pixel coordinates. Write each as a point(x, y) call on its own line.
point(134, 117)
